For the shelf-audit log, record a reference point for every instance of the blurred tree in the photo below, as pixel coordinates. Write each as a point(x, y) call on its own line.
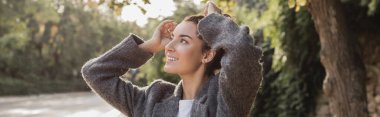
point(344, 84)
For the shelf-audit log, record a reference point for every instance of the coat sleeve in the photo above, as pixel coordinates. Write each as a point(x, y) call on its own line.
point(102, 75)
point(241, 72)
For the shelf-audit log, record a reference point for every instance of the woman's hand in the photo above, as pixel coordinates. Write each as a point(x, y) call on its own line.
point(211, 8)
point(160, 37)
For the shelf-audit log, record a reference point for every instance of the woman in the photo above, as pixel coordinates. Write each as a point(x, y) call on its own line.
point(194, 49)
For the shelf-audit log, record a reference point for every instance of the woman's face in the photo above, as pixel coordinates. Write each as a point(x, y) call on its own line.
point(184, 51)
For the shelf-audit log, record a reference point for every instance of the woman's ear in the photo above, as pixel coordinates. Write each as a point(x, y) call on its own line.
point(208, 56)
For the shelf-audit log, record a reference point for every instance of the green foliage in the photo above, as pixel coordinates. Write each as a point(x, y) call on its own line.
point(297, 4)
point(291, 46)
point(117, 6)
point(44, 44)
point(371, 5)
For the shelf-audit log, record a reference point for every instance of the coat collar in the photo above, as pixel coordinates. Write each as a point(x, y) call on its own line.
point(169, 107)
point(178, 92)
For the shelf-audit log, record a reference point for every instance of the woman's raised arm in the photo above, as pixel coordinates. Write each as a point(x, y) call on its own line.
point(102, 73)
point(241, 72)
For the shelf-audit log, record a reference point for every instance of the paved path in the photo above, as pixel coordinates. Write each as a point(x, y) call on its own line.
point(79, 104)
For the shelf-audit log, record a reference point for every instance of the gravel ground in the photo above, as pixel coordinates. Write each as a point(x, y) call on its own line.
point(78, 104)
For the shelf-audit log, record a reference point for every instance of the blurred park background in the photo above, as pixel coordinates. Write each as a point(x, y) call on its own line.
point(44, 43)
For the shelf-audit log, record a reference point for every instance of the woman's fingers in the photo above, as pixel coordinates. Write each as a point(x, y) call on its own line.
point(167, 28)
point(172, 26)
point(164, 24)
point(212, 8)
point(205, 10)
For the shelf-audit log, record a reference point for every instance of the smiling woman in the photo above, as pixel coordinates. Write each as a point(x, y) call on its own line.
point(191, 47)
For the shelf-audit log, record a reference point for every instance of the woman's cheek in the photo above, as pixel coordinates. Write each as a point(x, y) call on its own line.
point(188, 58)
point(183, 55)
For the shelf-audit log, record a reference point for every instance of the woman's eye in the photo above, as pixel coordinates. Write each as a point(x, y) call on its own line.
point(183, 41)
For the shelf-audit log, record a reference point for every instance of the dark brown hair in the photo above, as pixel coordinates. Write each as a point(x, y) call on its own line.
point(214, 65)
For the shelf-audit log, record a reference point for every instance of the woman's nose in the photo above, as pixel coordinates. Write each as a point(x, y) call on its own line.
point(170, 46)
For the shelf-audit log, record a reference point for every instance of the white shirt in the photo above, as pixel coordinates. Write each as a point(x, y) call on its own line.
point(184, 108)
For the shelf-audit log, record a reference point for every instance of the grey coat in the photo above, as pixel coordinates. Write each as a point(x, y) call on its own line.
point(231, 93)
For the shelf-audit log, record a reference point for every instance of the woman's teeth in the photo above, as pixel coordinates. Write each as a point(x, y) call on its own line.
point(172, 59)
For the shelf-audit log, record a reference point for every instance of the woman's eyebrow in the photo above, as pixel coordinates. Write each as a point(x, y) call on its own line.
point(185, 36)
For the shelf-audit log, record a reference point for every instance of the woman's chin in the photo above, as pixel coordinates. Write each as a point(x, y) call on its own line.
point(169, 69)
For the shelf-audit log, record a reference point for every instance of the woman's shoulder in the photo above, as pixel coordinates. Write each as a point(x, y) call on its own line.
point(159, 83)
point(160, 88)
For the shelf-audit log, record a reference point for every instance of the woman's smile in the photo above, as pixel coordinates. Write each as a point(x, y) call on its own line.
point(171, 59)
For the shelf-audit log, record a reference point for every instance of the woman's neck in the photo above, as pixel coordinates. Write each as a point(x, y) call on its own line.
point(191, 83)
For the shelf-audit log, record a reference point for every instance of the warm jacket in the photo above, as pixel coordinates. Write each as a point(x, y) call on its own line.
point(231, 93)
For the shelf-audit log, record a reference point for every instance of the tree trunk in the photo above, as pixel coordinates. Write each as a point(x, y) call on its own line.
point(344, 84)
